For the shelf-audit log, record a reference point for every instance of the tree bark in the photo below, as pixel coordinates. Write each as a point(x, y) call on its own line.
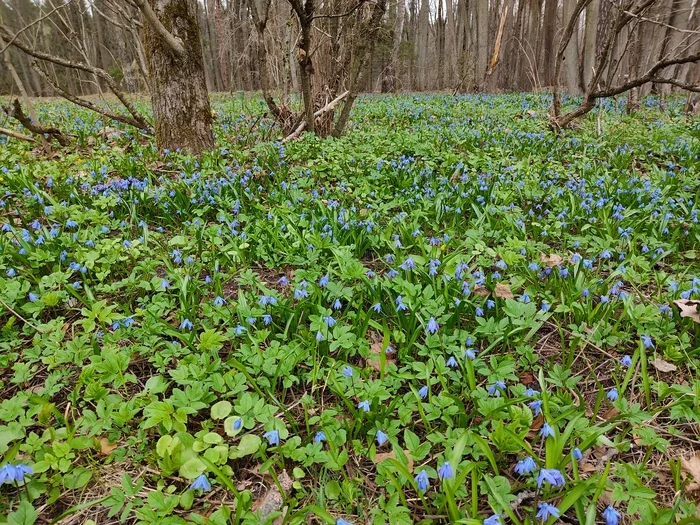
point(590, 42)
point(572, 69)
point(389, 80)
point(179, 93)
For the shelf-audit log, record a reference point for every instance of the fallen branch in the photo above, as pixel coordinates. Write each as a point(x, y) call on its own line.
point(325, 109)
point(16, 135)
point(15, 111)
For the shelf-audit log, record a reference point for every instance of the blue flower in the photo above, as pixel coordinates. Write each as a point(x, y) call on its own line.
point(347, 371)
point(432, 326)
point(536, 407)
point(201, 483)
point(551, 476)
point(445, 471)
point(577, 454)
point(452, 362)
point(186, 325)
point(495, 389)
point(612, 394)
point(33, 297)
point(612, 517)
point(546, 431)
point(626, 361)
point(237, 424)
point(545, 510)
point(219, 301)
point(423, 392)
point(364, 406)
point(340, 521)
point(377, 307)
point(493, 520)
point(648, 343)
point(323, 281)
point(337, 305)
point(273, 437)
point(525, 466)
point(381, 438)
point(320, 437)
point(422, 481)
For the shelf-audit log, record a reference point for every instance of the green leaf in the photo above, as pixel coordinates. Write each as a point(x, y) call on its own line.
point(192, 468)
point(25, 514)
point(221, 410)
point(248, 445)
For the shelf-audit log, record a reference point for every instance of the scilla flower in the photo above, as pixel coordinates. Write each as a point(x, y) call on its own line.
point(201, 483)
point(381, 438)
point(422, 481)
point(445, 471)
point(273, 437)
point(545, 510)
point(612, 517)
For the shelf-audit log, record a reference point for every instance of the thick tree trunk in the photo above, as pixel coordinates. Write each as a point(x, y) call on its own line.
point(179, 94)
point(482, 39)
point(549, 30)
point(590, 43)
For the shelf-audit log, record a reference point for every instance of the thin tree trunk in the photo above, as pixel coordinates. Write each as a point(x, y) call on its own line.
point(389, 81)
point(590, 43)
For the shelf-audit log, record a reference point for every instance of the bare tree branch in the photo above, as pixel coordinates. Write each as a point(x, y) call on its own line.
point(173, 42)
point(17, 135)
point(325, 109)
point(15, 111)
point(14, 37)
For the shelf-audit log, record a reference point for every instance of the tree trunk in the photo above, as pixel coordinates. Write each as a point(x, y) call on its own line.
point(590, 43)
point(389, 81)
point(423, 38)
point(549, 30)
point(482, 39)
point(179, 94)
point(571, 62)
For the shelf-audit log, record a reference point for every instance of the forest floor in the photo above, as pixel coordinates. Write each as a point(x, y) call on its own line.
point(450, 313)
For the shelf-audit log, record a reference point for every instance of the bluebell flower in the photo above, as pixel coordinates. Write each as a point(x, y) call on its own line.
point(495, 389)
point(451, 362)
point(525, 298)
point(319, 336)
point(381, 438)
point(377, 307)
point(400, 306)
point(340, 521)
point(237, 424)
point(546, 431)
point(273, 437)
point(479, 312)
point(164, 284)
point(219, 301)
point(604, 299)
point(577, 454)
point(536, 407)
point(347, 371)
point(612, 517)
point(201, 483)
point(647, 341)
point(320, 437)
point(612, 394)
point(337, 305)
point(422, 481)
point(186, 325)
point(551, 476)
point(545, 306)
point(408, 265)
point(364, 406)
point(525, 466)
point(445, 471)
point(545, 510)
point(423, 392)
point(495, 519)
point(267, 319)
point(432, 326)
point(33, 297)
point(11, 272)
point(323, 281)
point(626, 361)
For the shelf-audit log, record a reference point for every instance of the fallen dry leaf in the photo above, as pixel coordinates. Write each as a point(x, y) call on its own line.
point(383, 456)
point(481, 290)
point(375, 355)
point(610, 413)
point(663, 366)
point(551, 260)
point(689, 308)
point(106, 447)
point(536, 425)
point(502, 291)
point(272, 500)
point(692, 467)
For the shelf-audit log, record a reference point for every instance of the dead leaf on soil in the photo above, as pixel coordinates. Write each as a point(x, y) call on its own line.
point(536, 425)
point(551, 260)
point(378, 458)
point(692, 466)
point(689, 308)
point(502, 291)
point(375, 355)
point(481, 290)
point(106, 447)
point(663, 366)
point(272, 501)
point(610, 413)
